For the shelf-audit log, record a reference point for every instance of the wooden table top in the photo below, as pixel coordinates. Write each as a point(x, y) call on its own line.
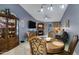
point(55, 46)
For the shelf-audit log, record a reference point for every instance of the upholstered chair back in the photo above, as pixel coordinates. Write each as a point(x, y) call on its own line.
point(38, 46)
point(73, 44)
point(51, 34)
point(31, 34)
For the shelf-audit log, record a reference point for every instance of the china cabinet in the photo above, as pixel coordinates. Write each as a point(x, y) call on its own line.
point(40, 29)
point(8, 32)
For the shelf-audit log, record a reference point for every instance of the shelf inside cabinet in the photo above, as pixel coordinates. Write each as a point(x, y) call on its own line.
point(11, 31)
point(9, 26)
point(10, 36)
point(11, 20)
point(3, 19)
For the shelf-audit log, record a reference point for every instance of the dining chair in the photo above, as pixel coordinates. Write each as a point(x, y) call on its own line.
point(51, 34)
point(38, 46)
point(72, 46)
point(31, 34)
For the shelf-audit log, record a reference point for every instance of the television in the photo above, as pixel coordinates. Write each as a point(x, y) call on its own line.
point(31, 24)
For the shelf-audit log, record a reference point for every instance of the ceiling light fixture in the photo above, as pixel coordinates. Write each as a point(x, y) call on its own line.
point(41, 8)
point(46, 18)
point(62, 6)
point(46, 9)
point(51, 8)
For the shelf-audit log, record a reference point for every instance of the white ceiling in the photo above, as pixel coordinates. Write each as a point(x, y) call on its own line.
point(53, 16)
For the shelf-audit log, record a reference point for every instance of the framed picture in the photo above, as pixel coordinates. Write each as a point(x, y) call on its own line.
point(67, 23)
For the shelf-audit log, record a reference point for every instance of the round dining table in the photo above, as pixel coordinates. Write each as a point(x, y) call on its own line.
point(54, 46)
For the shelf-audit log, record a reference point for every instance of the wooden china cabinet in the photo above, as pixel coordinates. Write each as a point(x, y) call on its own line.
point(8, 32)
point(40, 29)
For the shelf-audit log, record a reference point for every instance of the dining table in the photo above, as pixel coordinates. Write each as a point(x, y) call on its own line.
point(54, 45)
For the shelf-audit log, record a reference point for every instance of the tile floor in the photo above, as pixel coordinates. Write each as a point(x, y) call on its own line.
point(23, 49)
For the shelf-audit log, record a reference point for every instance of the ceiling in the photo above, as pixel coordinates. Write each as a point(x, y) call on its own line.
point(52, 16)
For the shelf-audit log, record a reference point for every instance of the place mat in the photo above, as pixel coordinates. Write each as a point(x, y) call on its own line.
point(58, 43)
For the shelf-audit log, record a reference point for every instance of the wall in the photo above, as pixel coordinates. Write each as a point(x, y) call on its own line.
point(72, 14)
